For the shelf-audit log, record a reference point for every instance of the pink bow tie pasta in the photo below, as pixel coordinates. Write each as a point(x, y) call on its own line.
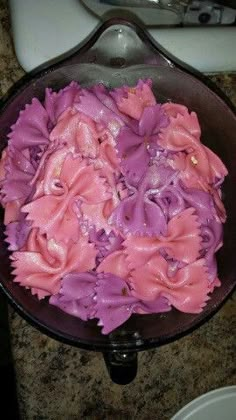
point(112, 204)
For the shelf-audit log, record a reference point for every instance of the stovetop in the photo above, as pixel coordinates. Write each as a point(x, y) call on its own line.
point(199, 33)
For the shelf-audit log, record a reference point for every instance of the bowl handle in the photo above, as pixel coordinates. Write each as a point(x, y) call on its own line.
point(119, 43)
point(122, 366)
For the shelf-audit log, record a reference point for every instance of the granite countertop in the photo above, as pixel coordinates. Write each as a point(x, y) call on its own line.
point(59, 382)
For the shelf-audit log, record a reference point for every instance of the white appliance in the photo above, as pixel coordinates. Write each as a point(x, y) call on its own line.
point(199, 33)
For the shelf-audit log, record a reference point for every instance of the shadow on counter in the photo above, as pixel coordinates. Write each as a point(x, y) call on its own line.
point(8, 397)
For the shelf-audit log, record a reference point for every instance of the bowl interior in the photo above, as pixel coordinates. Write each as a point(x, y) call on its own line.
point(218, 125)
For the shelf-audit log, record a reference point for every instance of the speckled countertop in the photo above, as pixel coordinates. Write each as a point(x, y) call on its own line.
point(58, 382)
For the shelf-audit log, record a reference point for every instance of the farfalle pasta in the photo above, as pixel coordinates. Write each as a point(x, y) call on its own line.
point(112, 204)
